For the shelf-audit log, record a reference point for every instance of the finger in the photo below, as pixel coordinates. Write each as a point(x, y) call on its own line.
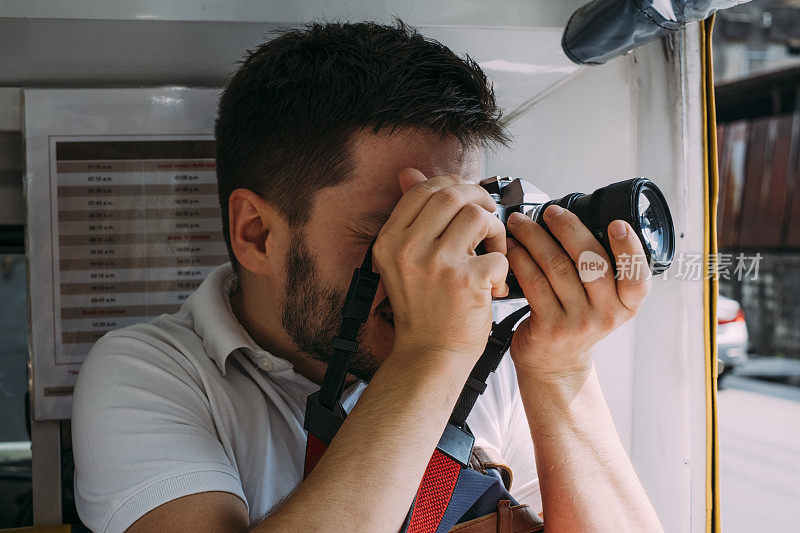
point(472, 225)
point(633, 271)
point(492, 269)
point(408, 177)
point(594, 266)
point(535, 285)
point(412, 202)
point(445, 204)
point(556, 264)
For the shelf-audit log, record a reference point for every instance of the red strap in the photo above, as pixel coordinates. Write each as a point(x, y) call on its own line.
point(434, 493)
point(314, 450)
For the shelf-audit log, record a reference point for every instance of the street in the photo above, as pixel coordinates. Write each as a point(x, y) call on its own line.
point(759, 434)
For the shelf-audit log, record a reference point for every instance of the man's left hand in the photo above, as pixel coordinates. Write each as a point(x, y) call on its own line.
point(568, 315)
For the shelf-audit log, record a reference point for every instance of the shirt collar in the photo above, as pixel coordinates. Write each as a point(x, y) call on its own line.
point(217, 326)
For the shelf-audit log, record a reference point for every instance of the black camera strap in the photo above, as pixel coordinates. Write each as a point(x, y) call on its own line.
point(357, 306)
point(497, 345)
point(324, 412)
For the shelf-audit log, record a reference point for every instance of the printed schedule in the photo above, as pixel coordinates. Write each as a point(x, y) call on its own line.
point(137, 230)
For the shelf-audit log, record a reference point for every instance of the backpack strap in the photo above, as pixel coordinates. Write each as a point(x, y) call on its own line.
point(507, 519)
point(486, 458)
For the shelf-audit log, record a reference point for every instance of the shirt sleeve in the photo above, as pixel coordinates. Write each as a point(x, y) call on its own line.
point(143, 434)
point(499, 421)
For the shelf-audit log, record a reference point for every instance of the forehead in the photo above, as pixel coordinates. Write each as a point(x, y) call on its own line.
point(378, 158)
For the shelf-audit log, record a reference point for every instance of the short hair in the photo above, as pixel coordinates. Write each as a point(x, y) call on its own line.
point(288, 115)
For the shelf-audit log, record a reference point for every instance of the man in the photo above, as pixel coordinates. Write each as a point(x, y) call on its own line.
point(327, 137)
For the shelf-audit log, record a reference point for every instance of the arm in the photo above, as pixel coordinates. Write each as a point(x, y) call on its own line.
point(368, 476)
point(587, 481)
point(370, 473)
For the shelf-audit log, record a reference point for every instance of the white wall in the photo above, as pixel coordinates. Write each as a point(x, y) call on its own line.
point(578, 138)
point(638, 115)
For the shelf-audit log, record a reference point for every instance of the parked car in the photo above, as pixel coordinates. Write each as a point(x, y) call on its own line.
point(731, 335)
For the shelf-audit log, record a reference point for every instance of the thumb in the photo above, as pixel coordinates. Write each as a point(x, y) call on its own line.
point(408, 177)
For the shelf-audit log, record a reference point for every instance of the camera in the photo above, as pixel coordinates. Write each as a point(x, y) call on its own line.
point(637, 201)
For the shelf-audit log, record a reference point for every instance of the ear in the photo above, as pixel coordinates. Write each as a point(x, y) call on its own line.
point(256, 231)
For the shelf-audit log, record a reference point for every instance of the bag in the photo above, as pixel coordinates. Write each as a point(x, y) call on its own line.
point(507, 517)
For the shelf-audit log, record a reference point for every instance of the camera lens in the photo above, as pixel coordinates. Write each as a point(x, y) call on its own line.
point(654, 234)
point(637, 201)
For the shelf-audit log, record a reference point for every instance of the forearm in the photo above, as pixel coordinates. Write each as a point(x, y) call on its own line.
point(370, 473)
point(586, 478)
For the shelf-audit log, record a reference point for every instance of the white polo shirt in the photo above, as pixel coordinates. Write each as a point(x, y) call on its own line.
point(189, 403)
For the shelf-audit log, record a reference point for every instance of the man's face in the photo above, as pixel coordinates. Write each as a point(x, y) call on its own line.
point(344, 221)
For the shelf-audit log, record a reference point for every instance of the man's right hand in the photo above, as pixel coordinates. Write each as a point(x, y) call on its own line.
point(440, 290)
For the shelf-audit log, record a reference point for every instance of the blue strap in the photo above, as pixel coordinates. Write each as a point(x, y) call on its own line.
point(475, 495)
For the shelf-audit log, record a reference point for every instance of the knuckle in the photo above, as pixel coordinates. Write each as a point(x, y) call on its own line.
point(631, 309)
point(483, 193)
point(500, 258)
point(449, 197)
point(560, 263)
point(498, 264)
point(628, 313)
point(473, 212)
point(539, 283)
point(586, 324)
point(448, 179)
point(439, 261)
point(607, 321)
point(424, 188)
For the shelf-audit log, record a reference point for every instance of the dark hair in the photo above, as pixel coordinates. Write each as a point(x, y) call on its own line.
point(289, 112)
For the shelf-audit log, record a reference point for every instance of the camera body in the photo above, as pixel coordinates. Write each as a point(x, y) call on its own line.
point(637, 201)
point(514, 195)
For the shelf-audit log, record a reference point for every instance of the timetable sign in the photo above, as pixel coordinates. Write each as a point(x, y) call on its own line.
point(137, 228)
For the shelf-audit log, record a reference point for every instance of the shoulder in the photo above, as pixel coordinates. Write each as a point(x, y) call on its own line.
point(139, 367)
point(143, 426)
point(166, 344)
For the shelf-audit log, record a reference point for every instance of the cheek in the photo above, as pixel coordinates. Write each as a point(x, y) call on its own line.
point(334, 256)
point(335, 262)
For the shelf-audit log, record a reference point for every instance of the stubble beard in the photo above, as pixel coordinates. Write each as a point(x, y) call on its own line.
point(311, 312)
